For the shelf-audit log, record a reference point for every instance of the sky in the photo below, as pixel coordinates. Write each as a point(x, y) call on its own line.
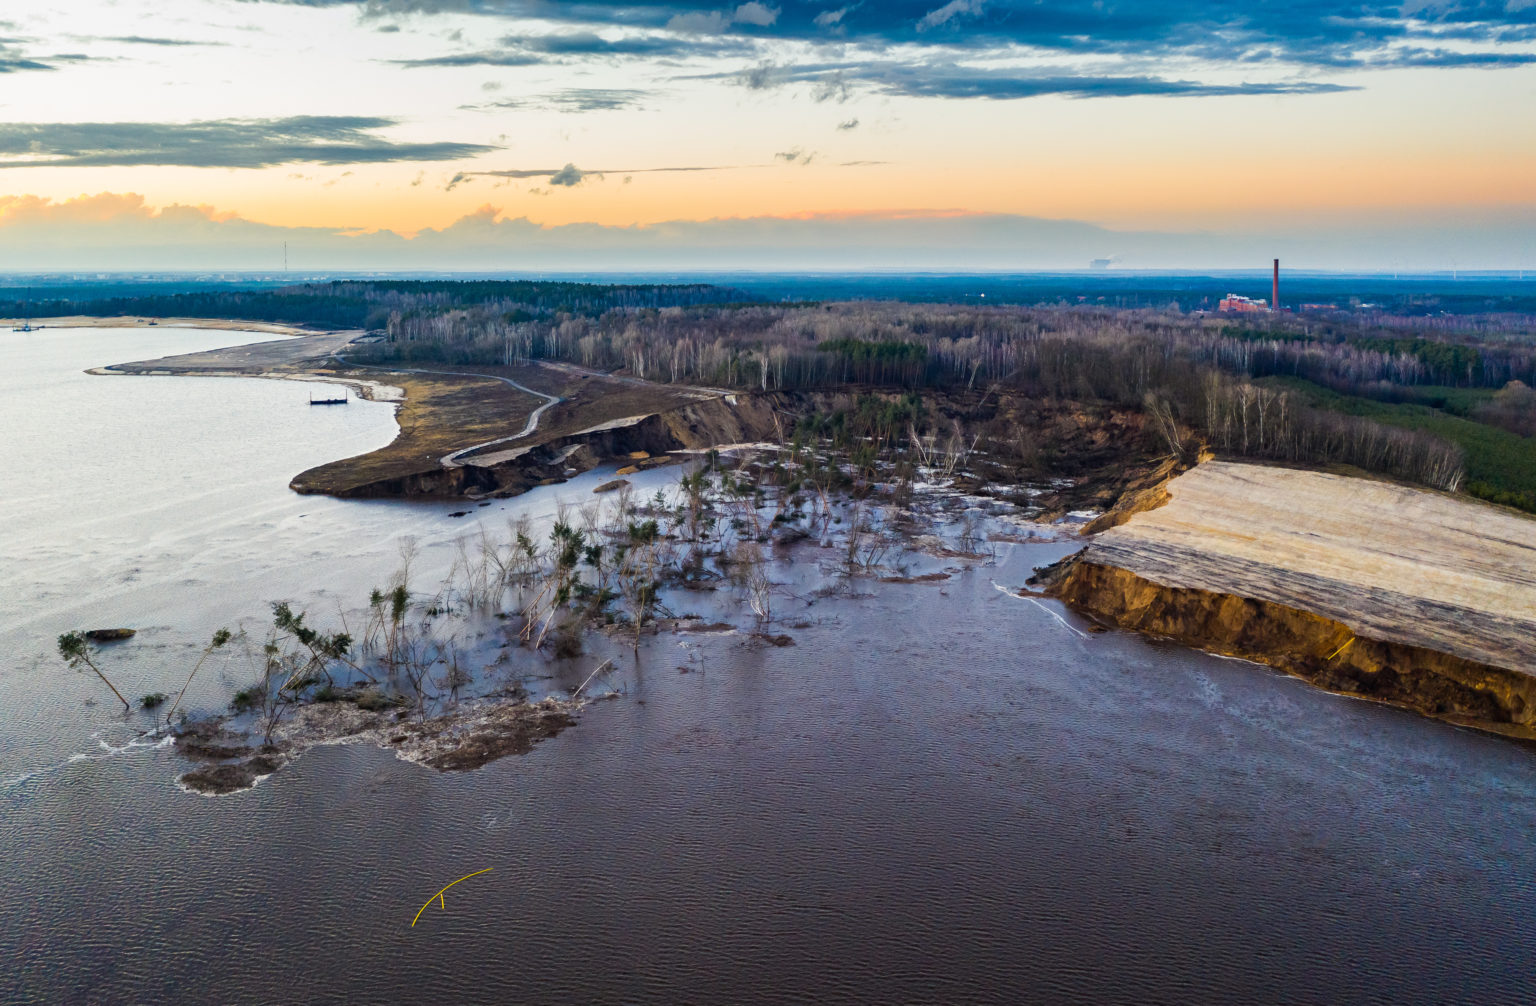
point(967, 134)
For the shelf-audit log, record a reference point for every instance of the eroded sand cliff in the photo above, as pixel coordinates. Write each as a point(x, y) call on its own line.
point(1399, 594)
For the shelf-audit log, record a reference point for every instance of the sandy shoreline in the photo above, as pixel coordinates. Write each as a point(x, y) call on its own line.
point(369, 391)
point(293, 358)
point(148, 321)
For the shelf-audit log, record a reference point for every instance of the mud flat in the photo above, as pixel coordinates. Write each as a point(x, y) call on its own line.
point(456, 741)
point(1402, 595)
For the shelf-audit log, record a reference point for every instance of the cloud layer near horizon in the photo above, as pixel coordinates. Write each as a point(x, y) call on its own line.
point(222, 143)
point(121, 233)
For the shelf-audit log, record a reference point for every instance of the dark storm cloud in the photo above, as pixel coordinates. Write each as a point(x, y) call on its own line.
point(949, 80)
point(929, 48)
point(571, 175)
point(1441, 58)
point(531, 50)
point(221, 143)
point(1296, 31)
point(575, 100)
point(15, 64)
point(147, 40)
point(959, 82)
point(591, 99)
point(473, 59)
point(14, 61)
point(572, 99)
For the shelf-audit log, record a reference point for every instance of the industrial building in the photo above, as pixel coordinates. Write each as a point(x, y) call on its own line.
point(1234, 303)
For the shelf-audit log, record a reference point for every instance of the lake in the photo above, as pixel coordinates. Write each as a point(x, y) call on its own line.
point(941, 794)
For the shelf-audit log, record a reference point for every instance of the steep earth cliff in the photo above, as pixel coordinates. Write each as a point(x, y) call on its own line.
point(1383, 591)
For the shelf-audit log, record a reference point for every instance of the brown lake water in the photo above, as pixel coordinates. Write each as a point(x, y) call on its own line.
point(940, 794)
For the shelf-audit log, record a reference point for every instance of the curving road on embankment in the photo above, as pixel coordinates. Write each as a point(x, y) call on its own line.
point(452, 460)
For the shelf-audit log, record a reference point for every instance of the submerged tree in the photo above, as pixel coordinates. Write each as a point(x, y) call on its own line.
point(324, 648)
point(220, 638)
point(76, 650)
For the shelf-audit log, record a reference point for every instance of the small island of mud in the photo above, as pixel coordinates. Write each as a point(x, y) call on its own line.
point(465, 738)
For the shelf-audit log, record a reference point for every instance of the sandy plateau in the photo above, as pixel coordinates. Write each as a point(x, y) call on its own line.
point(1401, 594)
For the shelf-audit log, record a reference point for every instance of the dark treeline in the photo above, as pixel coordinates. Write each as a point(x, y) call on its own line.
point(1439, 303)
point(369, 304)
point(1428, 298)
point(789, 346)
point(705, 333)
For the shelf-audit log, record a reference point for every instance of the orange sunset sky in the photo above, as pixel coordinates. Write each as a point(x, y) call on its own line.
point(1358, 136)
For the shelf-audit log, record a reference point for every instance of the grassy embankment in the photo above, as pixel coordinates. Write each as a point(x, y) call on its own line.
point(443, 413)
point(440, 414)
point(1501, 466)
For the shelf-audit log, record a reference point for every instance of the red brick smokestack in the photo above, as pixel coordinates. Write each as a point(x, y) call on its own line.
point(1274, 300)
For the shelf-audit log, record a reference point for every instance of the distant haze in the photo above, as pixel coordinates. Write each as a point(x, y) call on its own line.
point(123, 235)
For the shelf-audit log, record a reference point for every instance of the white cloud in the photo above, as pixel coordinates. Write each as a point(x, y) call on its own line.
point(948, 12)
point(714, 22)
point(698, 22)
point(756, 13)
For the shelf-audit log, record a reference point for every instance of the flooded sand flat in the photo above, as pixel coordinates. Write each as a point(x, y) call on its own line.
point(941, 793)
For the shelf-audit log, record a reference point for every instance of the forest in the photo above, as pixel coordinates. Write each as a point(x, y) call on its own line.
point(1279, 391)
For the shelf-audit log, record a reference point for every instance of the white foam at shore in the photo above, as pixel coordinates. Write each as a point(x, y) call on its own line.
point(111, 752)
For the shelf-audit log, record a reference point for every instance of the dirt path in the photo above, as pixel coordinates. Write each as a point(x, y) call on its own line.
point(451, 460)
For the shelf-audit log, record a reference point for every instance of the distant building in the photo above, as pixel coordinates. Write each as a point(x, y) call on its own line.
point(1234, 303)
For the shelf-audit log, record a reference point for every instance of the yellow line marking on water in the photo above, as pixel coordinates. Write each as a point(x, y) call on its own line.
point(1335, 653)
point(438, 897)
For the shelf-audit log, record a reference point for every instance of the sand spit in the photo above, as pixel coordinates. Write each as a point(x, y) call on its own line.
point(149, 321)
point(1406, 595)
